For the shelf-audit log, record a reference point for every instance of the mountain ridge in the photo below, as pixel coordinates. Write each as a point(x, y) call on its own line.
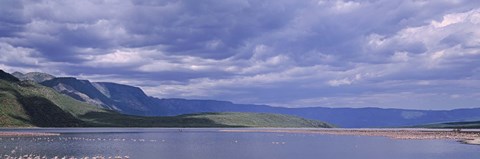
point(33, 76)
point(28, 104)
point(8, 77)
point(138, 103)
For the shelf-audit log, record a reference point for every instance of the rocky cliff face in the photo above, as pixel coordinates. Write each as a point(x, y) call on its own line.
point(37, 77)
point(122, 98)
point(124, 95)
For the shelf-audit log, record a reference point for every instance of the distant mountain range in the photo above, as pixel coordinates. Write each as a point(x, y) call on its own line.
point(27, 104)
point(133, 101)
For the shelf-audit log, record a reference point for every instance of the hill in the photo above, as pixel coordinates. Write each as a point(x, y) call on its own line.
point(260, 120)
point(122, 98)
point(8, 77)
point(454, 125)
point(133, 101)
point(28, 104)
point(342, 117)
point(33, 76)
point(19, 110)
point(25, 103)
point(226, 119)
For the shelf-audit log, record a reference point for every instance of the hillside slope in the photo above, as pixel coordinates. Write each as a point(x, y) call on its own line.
point(25, 103)
point(260, 120)
point(456, 125)
point(33, 76)
point(132, 100)
point(122, 98)
point(28, 104)
point(227, 119)
point(342, 117)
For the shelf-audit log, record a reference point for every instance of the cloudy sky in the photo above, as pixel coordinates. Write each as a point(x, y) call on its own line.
point(422, 54)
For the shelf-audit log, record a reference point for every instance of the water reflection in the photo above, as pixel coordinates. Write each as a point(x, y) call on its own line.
point(211, 144)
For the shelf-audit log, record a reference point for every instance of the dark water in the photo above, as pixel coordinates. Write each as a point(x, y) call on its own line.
point(212, 144)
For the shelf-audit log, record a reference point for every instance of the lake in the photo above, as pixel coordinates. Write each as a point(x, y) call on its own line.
point(174, 143)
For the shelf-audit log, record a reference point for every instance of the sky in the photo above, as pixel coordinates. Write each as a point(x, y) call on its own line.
point(414, 54)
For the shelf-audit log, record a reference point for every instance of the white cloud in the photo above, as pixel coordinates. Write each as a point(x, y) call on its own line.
point(400, 57)
point(455, 18)
point(18, 55)
point(118, 57)
point(345, 6)
point(340, 82)
point(214, 44)
point(451, 39)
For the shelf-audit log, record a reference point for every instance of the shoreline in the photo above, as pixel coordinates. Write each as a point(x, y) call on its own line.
point(26, 134)
point(466, 137)
point(475, 141)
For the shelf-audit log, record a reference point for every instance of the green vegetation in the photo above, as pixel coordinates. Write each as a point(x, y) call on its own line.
point(24, 104)
point(28, 104)
point(259, 120)
point(229, 119)
point(454, 125)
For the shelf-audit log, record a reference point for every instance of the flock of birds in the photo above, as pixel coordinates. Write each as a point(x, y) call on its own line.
point(53, 139)
point(18, 153)
point(15, 152)
point(31, 156)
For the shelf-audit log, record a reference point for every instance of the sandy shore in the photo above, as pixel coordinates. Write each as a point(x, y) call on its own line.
point(25, 134)
point(475, 141)
point(468, 137)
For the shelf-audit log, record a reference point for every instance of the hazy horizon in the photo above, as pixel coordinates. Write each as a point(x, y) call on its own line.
point(330, 53)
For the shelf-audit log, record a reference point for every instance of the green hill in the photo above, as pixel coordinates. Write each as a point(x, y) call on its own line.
point(259, 120)
point(454, 125)
point(228, 119)
point(28, 104)
point(8, 77)
point(25, 103)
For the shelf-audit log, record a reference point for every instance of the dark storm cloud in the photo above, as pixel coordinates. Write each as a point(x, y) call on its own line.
point(11, 19)
point(306, 52)
point(209, 29)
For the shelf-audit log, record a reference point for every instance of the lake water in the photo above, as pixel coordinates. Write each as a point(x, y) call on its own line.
point(156, 143)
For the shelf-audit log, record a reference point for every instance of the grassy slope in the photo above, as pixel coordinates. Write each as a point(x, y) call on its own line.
point(26, 104)
point(259, 120)
point(202, 120)
point(29, 104)
point(462, 125)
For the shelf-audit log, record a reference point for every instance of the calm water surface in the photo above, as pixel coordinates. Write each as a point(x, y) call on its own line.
point(212, 144)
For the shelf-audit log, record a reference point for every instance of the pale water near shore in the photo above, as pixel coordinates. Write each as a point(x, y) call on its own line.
point(213, 144)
